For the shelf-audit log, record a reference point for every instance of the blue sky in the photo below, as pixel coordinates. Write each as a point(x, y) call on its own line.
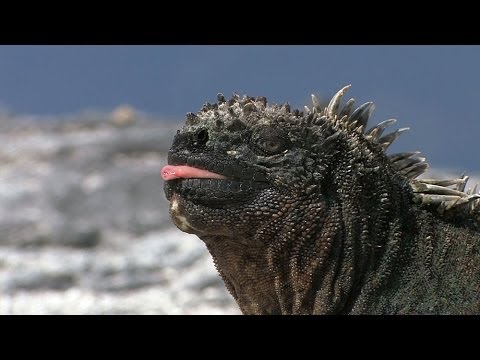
point(434, 90)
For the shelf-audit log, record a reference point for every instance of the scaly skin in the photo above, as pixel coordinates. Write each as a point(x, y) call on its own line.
point(304, 213)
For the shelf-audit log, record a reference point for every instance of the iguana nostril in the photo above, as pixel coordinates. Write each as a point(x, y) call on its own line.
point(200, 137)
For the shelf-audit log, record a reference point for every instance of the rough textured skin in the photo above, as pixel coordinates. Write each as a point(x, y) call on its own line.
point(310, 216)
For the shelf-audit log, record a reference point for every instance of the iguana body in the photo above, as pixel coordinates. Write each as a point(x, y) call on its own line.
point(304, 213)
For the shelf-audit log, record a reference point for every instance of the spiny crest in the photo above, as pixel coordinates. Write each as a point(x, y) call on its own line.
point(443, 194)
point(429, 192)
point(240, 109)
point(437, 192)
point(344, 118)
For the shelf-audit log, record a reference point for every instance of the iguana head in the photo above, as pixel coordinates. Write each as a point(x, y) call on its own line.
point(239, 163)
point(295, 206)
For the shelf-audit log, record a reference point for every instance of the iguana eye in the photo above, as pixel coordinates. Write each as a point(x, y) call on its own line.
point(270, 142)
point(200, 137)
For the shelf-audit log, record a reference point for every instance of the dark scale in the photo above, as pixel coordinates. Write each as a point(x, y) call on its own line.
point(304, 212)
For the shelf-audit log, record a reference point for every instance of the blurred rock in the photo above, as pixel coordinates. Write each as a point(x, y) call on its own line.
point(35, 280)
point(84, 224)
point(83, 239)
point(123, 115)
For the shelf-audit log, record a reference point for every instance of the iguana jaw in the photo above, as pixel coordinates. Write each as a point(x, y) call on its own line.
point(197, 194)
point(206, 187)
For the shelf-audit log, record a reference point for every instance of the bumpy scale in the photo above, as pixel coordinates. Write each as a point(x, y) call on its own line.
point(304, 212)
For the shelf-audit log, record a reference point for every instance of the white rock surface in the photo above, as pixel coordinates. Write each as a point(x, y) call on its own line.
point(84, 225)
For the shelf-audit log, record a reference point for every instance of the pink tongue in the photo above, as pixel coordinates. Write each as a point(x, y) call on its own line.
point(170, 172)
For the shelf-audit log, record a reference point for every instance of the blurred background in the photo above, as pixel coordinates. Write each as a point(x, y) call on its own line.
point(84, 130)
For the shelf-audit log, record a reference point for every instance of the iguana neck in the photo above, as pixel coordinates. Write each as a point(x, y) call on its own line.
point(317, 257)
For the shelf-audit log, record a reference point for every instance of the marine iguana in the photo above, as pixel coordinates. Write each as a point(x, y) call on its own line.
point(304, 212)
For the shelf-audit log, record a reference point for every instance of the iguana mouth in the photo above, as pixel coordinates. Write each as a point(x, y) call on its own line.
point(207, 187)
point(170, 172)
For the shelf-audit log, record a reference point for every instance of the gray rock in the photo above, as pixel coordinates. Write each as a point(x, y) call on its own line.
point(84, 224)
point(83, 238)
point(34, 280)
